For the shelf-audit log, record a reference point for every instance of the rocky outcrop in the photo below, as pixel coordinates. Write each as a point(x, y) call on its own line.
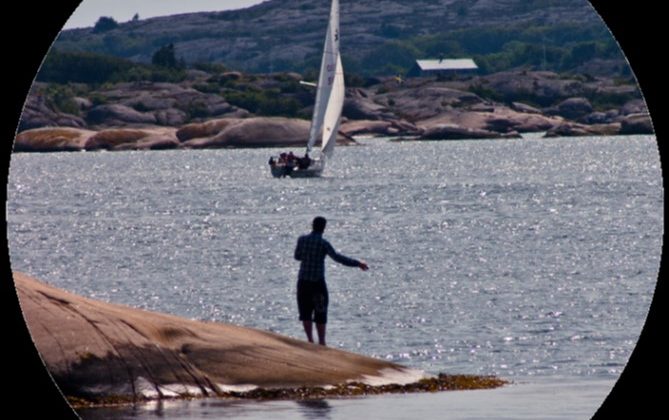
point(167, 103)
point(358, 106)
point(109, 139)
point(219, 133)
point(127, 104)
point(496, 122)
point(571, 129)
point(118, 115)
point(378, 128)
point(98, 352)
point(545, 88)
point(205, 129)
point(524, 108)
point(636, 124)
point(574, 108)
point(260, 132)
point(456, 132)
point(249, 132)
point(635, 106)
point(171, 117)
point(58, 139)
point(38, 113)
point(133, 139)
point(599, 117)
point(416, 103)
point(485, 107)
point(50, 139)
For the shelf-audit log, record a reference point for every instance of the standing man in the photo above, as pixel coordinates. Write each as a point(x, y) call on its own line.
point(312, 293)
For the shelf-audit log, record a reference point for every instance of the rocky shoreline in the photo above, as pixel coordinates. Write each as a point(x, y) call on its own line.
point(100, 353)
point(212, 134)
point(157, 116)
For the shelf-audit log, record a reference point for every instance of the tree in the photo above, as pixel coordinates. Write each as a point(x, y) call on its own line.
point(104, 24)
point(136, 17)
point(165, 57)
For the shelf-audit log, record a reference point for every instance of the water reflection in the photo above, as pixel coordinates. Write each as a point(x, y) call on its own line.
point(314, 409)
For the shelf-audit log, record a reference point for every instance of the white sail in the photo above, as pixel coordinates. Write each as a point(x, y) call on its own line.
point(330, 89)
point(333, 112)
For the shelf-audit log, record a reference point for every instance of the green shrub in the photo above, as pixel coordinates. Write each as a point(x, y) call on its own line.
point(265, 103)
point(81, 67)
point(197, 109)
point(61, 98)
point(98, 69)
point(207, 87)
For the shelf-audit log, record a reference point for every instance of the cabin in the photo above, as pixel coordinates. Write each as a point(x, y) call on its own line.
point(443, 67)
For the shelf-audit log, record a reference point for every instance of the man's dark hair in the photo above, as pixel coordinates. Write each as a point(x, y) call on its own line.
point(318, 224)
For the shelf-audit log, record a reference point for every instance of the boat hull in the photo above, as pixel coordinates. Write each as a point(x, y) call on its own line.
point(315, 169)
point(306, 173)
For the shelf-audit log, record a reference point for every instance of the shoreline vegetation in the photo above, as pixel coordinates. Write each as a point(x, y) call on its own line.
point(106, 354)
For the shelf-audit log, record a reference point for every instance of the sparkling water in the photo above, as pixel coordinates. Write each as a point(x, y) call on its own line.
point(532, 259)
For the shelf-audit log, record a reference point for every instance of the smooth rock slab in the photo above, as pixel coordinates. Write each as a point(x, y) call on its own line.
point(98, 351)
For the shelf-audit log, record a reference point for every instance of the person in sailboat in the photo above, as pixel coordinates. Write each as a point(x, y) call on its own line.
point(312, 292)
point(304, 162)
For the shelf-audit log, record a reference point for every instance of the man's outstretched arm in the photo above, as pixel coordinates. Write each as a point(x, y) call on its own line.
point(343, 259)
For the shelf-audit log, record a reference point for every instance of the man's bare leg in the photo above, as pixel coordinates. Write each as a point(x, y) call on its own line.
point(320, 328)
point(308, 330)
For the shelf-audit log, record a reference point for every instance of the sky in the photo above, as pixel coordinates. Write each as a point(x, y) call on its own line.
point(89, 11)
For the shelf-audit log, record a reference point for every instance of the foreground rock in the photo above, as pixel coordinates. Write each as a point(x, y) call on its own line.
point(100, 352)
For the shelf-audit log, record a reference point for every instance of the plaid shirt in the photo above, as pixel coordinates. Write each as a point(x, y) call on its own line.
point(311, 251)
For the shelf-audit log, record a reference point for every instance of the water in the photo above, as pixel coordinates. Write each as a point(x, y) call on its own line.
point(533, 260)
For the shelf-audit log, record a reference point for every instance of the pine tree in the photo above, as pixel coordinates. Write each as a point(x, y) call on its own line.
point(165, 57)
point(104, 24)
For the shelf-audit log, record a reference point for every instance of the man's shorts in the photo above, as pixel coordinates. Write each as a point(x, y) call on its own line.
point(312, 301)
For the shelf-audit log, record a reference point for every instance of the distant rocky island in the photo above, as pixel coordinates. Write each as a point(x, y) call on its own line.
point(232, 78)
point(233, 109)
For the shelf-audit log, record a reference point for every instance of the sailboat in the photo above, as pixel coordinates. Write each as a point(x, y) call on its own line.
point(327, 111)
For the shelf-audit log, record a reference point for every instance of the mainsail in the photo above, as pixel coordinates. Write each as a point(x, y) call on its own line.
point(330, 90)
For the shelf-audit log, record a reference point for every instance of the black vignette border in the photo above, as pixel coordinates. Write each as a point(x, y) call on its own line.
point(29, 29)
point(637, 27)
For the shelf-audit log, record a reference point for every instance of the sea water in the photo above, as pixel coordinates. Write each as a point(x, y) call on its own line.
point(532, 259)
